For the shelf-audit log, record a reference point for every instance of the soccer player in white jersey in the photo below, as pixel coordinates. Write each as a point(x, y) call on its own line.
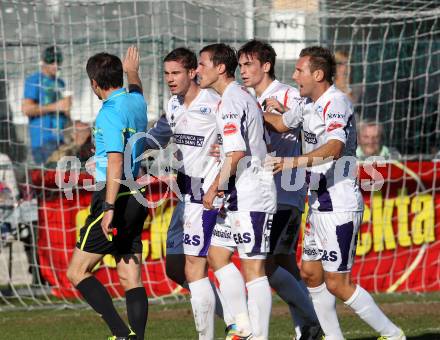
point(191, 117)
point(251, 197)
point(256, 60)
point(159, 136)
point(336, 204)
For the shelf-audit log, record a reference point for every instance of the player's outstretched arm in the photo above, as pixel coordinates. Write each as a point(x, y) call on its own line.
point(271, 105)
point(131, 68)
point(330, 151)
point(290, 119)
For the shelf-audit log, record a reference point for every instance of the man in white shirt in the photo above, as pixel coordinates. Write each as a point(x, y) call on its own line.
point(256, 60)
point(336, 205)
point(191, 121)
point(251, 193)
point(159, 137)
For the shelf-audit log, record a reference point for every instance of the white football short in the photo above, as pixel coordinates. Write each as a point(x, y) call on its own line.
point(248, 232)
point(331, 237)
point(222, 234)
point(251, 233)
point(198, 225)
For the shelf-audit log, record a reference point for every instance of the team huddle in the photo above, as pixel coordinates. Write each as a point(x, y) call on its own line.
point(246, 163)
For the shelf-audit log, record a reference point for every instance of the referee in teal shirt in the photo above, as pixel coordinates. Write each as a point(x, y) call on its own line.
point(123, 114)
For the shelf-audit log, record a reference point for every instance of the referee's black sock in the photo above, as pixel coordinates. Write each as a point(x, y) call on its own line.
point(137, 310)
point(99, 299)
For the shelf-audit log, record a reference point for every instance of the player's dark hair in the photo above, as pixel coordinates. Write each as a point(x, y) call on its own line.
point(184, 56)
point(321, 58)
point(222, 54)
point(263, 51)
point(106, 69)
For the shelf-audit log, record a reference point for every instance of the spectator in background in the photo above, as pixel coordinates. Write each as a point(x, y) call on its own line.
point(342, 77)
point(80, 145)
point(370, 135)
point(342, 74)
point(46, 106)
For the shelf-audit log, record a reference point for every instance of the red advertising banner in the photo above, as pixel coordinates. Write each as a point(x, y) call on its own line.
point(398, 247)
point(399, 242)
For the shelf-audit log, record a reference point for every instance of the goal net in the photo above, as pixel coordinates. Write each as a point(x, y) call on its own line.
point(388, 62)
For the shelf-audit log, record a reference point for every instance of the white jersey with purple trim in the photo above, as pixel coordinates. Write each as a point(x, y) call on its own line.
point(241, 124)
point(332, 185)
point(286, 144)
point(194, 130)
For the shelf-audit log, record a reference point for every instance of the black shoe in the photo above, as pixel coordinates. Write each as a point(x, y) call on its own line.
point(313, 332)
point(130, 337)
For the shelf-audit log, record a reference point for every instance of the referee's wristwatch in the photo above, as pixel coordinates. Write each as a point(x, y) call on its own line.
point(107, 206)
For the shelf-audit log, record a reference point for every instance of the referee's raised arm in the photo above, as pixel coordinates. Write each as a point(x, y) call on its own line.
point(131, 69)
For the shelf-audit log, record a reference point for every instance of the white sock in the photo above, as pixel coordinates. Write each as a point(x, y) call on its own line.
point(233, 291)
point(325, 307)
point(221, 308)
point(290, 290)
point(203, 304)
point(259, 305)
point(364, 306)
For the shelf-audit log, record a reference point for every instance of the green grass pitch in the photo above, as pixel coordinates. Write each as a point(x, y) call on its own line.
point(417, 314)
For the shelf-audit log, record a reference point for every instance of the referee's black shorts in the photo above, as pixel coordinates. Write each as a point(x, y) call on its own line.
point(129, 217)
